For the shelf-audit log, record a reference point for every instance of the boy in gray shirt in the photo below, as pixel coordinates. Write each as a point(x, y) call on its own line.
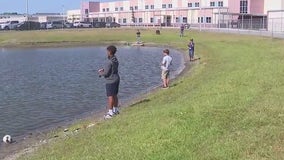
point(110, 73)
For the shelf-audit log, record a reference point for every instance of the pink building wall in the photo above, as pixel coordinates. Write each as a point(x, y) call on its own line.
point(94, 6)
point(148, 2)
point(133, 3)
point(254, 6)
point(234, 6)
point(91, 6)
point(119, 4)
point(166, 1)
point(192, 14)
point(257, 7)
point(104, 5)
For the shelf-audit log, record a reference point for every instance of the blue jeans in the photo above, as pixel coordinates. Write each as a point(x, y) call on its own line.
point(191, 54)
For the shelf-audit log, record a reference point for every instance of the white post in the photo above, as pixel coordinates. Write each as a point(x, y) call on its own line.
point(204, 13)
point(219, 17)
point(199, 15)
point(272, 29)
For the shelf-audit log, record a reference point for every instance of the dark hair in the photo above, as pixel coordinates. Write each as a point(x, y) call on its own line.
point(112, 49)
point(166, 51)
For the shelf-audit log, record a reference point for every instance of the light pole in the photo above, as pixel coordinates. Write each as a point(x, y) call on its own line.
point(27, 10)
point(63, 18)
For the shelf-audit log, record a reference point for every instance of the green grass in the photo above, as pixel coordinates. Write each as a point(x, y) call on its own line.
point(228, 106)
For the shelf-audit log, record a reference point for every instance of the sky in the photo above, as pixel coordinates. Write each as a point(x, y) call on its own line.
point(41, 6)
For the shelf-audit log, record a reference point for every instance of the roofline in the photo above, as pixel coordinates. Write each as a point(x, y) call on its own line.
point(240, 14)
point(275, 11)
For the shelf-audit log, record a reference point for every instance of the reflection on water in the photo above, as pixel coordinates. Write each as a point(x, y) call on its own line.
point(44, 87)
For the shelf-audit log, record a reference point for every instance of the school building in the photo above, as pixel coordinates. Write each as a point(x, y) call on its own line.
point(244, 14)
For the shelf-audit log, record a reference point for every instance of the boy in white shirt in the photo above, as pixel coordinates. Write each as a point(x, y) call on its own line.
point(167, 61)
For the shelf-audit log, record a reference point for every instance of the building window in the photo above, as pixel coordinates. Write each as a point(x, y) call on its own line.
point(220, 4)
point(152, 7)
point(196, 4)
point(184, 19)
point(147, 7)
point(208, 19)
point(164, 6)
point(116, 9)
point(121, 8)
point(244, 6)
point(200, 18)
point(140, 20)
point(212, 4)
point(152, 20)
point(189, 4)
point(177, 19)
point(170, 5)
point(136, 7)
point(104, 9)
point(107, 9)
point(119, 20)
point(130, 8)
point(124, 20)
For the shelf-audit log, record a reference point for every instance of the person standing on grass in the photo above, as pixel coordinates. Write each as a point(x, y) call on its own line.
point(181, 30)
point(138, 36)
point(110, 73)
point(191, 50)
point(166, 63)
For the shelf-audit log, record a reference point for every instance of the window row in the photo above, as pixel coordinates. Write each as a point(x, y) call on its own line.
point(196, 4)
point(212, 4)
point(204, 20)
point(133, 8)
point(217, 4)
point(178, 20)
point(190, 5)
point(124, 20)
point(167, 5)
point(149, 7)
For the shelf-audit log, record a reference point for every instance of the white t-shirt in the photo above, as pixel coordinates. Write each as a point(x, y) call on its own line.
point(167, 61)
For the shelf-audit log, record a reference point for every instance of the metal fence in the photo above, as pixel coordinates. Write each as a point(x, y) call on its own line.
point(270, 25)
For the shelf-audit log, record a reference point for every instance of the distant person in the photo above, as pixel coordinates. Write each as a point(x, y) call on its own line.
point(138, 37)
point(110, 73)
point(166, 63)
point(181, 30)
point(191, 50)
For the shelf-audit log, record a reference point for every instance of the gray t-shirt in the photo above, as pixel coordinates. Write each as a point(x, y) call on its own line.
point(111, 70)
point(167, 62)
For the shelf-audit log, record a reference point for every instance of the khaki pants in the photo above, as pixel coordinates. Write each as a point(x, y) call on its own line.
point(165, 74)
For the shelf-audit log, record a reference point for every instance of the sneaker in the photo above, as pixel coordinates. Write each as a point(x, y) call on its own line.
point(116, 112)
point(165, 87)
point(107, 116)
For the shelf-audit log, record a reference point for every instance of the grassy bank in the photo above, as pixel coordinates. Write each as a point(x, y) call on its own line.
point(229, 106)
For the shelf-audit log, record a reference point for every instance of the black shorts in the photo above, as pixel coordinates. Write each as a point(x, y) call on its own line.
point(112, 88)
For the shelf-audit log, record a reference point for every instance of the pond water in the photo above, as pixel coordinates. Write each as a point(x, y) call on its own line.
point(42, 88)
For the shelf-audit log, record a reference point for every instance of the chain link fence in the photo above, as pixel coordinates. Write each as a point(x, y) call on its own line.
point(271, 25)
